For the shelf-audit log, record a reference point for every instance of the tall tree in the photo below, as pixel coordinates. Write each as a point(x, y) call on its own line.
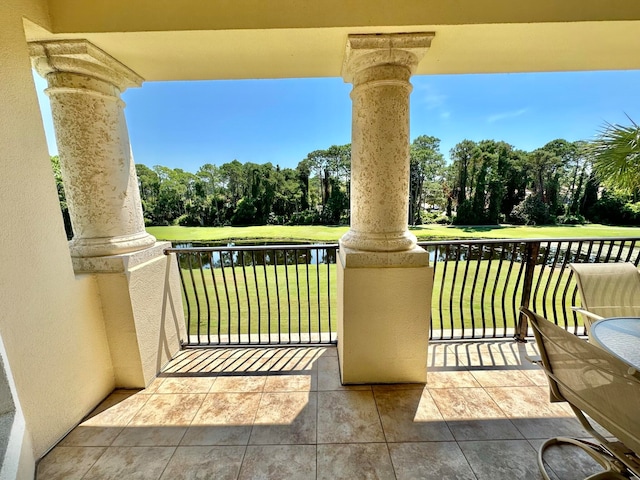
point(426, 172)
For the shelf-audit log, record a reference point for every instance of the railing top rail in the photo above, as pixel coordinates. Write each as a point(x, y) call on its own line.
point(241, 248)
point(526, 240)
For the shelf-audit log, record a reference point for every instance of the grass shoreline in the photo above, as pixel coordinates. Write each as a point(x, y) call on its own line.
point(331, 234)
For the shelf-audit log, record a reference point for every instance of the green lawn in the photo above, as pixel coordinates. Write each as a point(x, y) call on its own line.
point(319, 233)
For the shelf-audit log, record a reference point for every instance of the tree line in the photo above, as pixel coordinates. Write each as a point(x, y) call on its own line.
point(485, 182)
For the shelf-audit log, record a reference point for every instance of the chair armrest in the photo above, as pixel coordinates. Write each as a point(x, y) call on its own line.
point(535, 359)
point(587, 313)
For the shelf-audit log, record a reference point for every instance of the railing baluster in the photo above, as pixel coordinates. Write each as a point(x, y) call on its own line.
point(307, 260)
point(255, 279)
point(215, 288)
point(266, 286)
point(195, 294)
point(186, 298)
point(326, 252)
point(286, 281)
point(442, 282)
point(318, 286)
point(275, 274)
point(473, 292)
point(246, 289)
point(237, 292)
point(299, 306)
point(226, 293)
point(206, 296)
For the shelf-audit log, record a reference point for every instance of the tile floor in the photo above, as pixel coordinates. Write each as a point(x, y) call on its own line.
point(281, 413)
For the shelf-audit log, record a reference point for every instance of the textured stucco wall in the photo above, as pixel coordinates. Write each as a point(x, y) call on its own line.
point(50, 319)
point(384, 302)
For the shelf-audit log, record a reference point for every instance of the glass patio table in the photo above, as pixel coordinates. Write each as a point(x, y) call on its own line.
point(620, 337)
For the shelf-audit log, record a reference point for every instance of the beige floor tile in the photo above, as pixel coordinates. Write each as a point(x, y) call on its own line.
point(239, 384)
point(68, 463)
point(392, 387)
point(348, 417)
point(471, 414)
point(502, 378)
point(329, 376)
point(411, 415)
point(216, 435)
point(185, 384)
point(227, 409)
point(88, 436)
point(430, 461)
point(153, 386)
point(292, 359)
point(286, 418)
point(533, 415)
point(116, 410)
point(207, 361)
point(455, 379)
point(492, 354)
point(168, 409)
point(567, 462)
point(526, 402)
point(163, 436)
point(193, 360)
point(279, 462)
point(328, 352)
point(538, 377)
point(132, 463)
point(162, 421)
point(192, 463)
point(501, 460)
point(292, 383)
point(249, 360)
point(355, 460)
point(444, 362)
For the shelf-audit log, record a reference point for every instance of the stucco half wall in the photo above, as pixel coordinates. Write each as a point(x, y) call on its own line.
point(50, 319)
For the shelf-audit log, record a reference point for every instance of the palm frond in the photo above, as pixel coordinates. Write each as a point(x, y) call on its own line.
point(616, 154)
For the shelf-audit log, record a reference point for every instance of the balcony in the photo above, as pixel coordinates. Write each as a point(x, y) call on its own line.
point(263, 412)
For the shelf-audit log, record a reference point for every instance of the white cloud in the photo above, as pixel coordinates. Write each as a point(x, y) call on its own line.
point(429, 96)
point(506, 115)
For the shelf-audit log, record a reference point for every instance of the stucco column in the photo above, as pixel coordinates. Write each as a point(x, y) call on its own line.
point(93, 142)
point(379, 66)
point(384, 279)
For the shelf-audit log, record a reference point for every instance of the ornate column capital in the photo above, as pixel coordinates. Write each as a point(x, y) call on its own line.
point(83, 58)
point(397, 49)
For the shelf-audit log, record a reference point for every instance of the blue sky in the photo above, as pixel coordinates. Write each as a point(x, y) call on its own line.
point(187, 124)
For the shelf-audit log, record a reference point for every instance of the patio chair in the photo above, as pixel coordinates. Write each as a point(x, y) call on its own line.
point(607, 290)
point(597, 384)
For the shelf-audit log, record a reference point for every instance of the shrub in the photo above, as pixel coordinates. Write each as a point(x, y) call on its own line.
point(570, 219)
point(531, 211)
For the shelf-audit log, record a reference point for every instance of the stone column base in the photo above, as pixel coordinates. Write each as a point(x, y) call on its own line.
point(142, 307)
point(384, 305)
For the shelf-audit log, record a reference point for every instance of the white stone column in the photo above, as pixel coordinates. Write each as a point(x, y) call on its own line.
point(139, 286)
point(93, 142)
point(379, 66)
point(384, 279)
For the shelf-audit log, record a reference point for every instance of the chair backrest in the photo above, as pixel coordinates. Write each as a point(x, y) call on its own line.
point(591, 379)
point(608, 289)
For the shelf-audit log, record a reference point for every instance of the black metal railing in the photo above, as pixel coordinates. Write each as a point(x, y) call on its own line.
point(254, 295)
point(287, 294)
point(480, 285)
